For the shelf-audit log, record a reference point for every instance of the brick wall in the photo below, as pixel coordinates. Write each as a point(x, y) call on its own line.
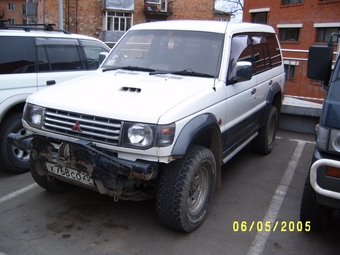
point(85, 16)
point(16, 14)
point(307, 13)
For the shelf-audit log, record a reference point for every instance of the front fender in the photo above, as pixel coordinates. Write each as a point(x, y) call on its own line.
point(193, 129)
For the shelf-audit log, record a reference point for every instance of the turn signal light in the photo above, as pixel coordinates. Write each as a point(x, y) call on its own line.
point(333, 171)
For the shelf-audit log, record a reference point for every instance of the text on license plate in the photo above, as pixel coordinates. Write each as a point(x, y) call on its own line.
point(69, 173)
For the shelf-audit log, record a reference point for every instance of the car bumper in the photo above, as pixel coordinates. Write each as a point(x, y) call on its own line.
point(326, 187)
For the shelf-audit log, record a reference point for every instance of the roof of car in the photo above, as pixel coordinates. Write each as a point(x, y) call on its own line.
point(205, 25)
point(34, 33)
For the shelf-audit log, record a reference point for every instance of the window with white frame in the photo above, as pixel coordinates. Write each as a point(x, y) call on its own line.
point(118, 21)
point(10, 7)
point(259, 15)
point(324, 31)
point(289, 32)
point(10, 21)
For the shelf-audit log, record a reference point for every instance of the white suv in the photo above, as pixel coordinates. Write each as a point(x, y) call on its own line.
point(30, 61)
point(171, 104)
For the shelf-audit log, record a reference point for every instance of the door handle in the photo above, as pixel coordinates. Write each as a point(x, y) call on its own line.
point(253, 91)
point(51, 82)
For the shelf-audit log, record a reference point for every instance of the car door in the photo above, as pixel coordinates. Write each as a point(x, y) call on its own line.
point(241, 96)
point(58, 60)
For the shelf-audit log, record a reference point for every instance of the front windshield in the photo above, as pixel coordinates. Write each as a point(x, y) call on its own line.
point(165, 51)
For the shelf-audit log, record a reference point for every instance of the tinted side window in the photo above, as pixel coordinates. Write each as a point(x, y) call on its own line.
point(92, 50)
point(274, 51)
point(17, 55)
point(262, 50)
point(63, 57)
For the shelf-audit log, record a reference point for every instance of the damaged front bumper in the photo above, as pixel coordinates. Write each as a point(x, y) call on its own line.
point(111, 174)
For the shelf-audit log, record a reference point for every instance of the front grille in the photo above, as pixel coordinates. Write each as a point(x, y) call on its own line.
point(83, 126)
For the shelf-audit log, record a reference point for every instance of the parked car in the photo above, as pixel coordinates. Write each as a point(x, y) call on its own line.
point(32, 60)
point(171, 104)
point(321, 194)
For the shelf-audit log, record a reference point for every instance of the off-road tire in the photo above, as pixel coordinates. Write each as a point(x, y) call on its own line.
point(12, 159)
point(53, 185)
point(318, 216)
point(264, 141)
point(185, 190)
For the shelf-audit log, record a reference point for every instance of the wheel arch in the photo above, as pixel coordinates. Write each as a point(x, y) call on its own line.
point(274, 97)
point(12, 104)
point(202, 130)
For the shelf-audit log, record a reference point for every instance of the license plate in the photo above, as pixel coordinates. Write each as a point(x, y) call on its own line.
point(69, 173)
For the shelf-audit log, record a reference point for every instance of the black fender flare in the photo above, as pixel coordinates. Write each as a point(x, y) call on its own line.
point(274, 90)
point(192, 130)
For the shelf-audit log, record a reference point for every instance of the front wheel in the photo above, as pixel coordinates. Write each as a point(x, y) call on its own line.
point(185, 190)
point(319, 216)
point(264, 141)
point(13, 159)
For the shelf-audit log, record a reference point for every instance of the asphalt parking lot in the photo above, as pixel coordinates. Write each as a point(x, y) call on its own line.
point(255, 189)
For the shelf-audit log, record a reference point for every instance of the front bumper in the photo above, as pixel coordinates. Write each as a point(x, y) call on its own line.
point(84, 157)
point(327, 188)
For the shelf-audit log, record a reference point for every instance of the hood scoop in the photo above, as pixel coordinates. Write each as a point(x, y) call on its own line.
point(131, 89)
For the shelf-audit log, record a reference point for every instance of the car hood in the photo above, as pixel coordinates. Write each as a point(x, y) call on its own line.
point(123, 95)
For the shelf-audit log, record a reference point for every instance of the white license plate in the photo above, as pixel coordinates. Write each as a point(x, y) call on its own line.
point(69, 173)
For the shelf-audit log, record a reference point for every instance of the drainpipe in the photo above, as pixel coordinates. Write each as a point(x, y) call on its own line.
point(61, 18)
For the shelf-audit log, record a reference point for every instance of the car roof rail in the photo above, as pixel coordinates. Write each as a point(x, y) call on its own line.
point(29, 27)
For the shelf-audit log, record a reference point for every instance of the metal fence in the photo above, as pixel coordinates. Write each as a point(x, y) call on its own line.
point(297, 85)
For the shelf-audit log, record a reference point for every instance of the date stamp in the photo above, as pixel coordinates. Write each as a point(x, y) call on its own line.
point(268, 226)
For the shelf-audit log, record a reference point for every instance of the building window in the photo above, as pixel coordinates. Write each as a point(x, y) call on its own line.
point(259, 17)
point(10, 21)
point(323, 33)
point(119, 21)
point(24, 9)
point(289, 34)
point(10, 7)
point(287, 2)
point(290, 71)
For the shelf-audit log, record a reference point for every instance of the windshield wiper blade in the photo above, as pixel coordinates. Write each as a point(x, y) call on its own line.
point(130, 68)
point(187, 71)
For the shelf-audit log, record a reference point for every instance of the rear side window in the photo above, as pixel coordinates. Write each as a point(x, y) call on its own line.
point(17, 55)
point(58, 55)
point(262, 50)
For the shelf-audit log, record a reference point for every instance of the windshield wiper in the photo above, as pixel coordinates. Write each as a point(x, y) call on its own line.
point(130, 68)
point(187, 71)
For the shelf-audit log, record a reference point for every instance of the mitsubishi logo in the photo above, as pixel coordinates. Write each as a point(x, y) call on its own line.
point(76, 127)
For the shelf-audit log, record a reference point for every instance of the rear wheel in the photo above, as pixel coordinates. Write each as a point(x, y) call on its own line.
point(13, 159)
point(52, 184)
point(186, 189)
point(264, 141)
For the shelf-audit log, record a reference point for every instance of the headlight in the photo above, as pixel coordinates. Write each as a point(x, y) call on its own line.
point(144, 136)
point(328, 139)
point(334, 140)
point(33, 115)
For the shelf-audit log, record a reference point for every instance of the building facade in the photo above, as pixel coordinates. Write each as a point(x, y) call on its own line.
point(107, 19)
point(299, 24)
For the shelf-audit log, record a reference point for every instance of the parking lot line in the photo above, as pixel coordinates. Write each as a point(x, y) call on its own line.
point(17, 193)
point(261, 237)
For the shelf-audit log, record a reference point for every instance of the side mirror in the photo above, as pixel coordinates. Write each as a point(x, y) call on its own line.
point(244, 71)
point(102, 56)
point(319, 63)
